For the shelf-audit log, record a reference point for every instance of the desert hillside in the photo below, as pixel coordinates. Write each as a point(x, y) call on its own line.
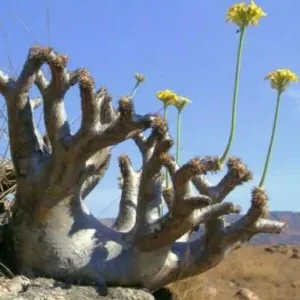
point(271, 272)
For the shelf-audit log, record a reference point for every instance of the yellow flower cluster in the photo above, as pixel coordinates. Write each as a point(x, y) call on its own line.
point(139, 77)
point(281, 78)
point(168, 97)
point(243, 15)
point(181, 102)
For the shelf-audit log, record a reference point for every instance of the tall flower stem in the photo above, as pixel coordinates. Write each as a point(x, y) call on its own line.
point(235, 94)
point(166, 118)
point(262, 181)
point(166, 171)
point(178, 136)
point(134, 89)
point(165, 111)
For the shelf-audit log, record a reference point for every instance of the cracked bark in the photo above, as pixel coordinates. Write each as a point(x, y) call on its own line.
point(54, 234)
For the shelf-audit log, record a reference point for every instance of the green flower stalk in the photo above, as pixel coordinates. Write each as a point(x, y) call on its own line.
point(139, 79)
point(234, 100)
point(166, 111)
point(242, 15)
point(180, 103)
point(265, 170)
point(168, 97)
point(178, 140)
point(166, 118)
point(280, 80)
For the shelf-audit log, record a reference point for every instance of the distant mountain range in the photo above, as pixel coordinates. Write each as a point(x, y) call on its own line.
point(291, 234)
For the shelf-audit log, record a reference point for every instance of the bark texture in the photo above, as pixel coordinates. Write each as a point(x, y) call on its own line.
point(53, 233)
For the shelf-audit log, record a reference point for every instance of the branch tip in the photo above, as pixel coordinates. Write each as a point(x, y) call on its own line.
point(126, 107)
point(210, 164)
point(238, 170)
point(107, 111)
point(102, 90)
point(259, 202)
point(38, 52)
point(160, 126)
point(85, 81)
point(125, 165)
point(55, 60)
point(74, 76)
point(168, 162)
point(198, 201)
point(58, 61)
point(191, 169)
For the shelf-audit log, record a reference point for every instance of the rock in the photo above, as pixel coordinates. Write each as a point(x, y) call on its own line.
point(295, 284)
point(48, 289)
point(165, 294)
point(269, 249)
point(295, 255)
point(13, 286)
point(231, 283)
point(246, 294)
point(210, 293)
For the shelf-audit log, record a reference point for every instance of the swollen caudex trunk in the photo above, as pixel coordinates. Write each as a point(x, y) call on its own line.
point(54, 234)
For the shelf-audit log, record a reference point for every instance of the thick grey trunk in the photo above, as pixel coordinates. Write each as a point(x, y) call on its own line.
point(55, 235)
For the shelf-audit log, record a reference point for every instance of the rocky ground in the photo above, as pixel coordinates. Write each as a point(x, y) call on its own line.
point(250, 273)
point(20, 288)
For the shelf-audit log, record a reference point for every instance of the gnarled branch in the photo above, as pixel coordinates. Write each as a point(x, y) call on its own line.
point(126, 218)
point(187, 212)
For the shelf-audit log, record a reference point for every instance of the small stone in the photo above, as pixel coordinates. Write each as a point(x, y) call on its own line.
point(211, 293)
point(295, 256)
point(269, 249)
point(246, 294)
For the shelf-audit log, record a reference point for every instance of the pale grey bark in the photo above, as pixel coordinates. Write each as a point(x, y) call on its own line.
point(126, 218)
point(56, 236)
point(237, 174)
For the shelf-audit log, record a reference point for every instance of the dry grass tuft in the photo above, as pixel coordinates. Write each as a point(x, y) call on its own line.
point(7, 188)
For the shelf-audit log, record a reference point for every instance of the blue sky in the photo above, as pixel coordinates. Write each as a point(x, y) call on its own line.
point(185, 46)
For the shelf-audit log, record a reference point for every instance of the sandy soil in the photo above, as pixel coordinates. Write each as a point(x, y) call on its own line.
point(271, 272)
